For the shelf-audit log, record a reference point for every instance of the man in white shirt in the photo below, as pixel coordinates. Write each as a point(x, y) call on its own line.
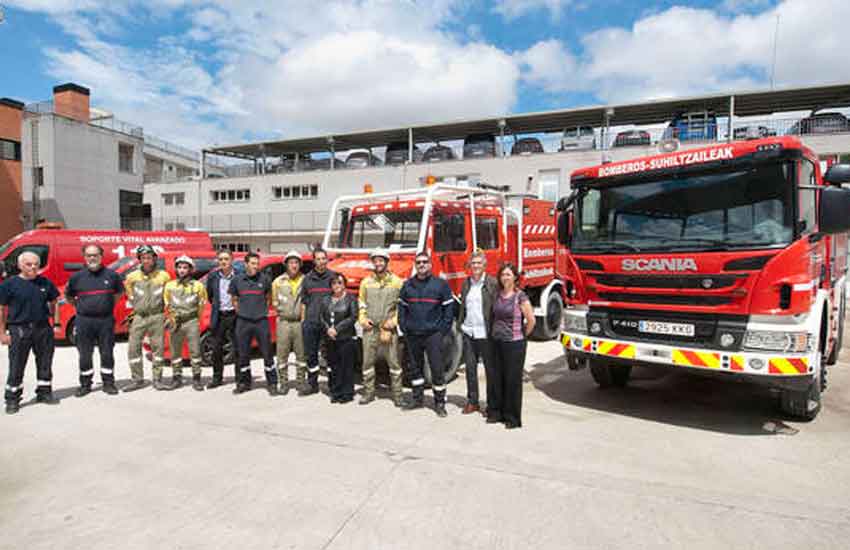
point(477, 294)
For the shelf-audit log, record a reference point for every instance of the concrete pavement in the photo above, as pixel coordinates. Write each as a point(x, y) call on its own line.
point(672, 461)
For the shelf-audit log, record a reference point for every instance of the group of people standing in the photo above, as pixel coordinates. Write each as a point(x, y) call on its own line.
point(314, 308)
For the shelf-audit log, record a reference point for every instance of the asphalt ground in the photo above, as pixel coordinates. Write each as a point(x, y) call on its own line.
point(673, 461)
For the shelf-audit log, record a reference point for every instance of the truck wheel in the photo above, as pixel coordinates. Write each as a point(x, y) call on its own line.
point(548, 326)
point(839, 339)
point(207, 349)
point(806, 404)
point(71, 332)
point(610, 375)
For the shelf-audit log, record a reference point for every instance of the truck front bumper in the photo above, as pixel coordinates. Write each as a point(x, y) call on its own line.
point(770, 365)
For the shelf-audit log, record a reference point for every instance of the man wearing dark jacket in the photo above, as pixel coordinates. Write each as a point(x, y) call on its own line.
point(316, 286)
point(222, 316)
point(476, 301)
point(425, 315)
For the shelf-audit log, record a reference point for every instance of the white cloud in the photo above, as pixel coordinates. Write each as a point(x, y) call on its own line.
point(550, 66)
point(687, 51)
point(513, 9)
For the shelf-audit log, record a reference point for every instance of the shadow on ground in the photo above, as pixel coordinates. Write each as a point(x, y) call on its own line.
point(675, 398)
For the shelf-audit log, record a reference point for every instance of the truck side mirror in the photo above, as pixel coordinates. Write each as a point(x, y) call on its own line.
point(564, 228)
point(834, 210)
point(837, 174)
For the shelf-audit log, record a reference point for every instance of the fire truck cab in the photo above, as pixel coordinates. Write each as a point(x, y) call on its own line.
point(450, 222)
point(727, 260)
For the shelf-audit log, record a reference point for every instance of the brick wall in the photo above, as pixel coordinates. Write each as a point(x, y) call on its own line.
point(11, 113)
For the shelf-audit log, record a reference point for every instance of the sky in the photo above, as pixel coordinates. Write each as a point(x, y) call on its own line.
point(203, 73)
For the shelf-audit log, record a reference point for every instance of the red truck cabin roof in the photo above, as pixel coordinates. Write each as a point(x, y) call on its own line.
point(419, 204)
point(702, 157)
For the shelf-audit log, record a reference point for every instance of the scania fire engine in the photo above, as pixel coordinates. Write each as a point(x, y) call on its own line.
point(729, 259)
point(450, 222)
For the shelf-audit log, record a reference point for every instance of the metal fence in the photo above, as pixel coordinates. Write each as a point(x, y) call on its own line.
point(310, 220)
point(615, 137)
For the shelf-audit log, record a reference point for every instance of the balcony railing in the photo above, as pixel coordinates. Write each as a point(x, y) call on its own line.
point(262, 222)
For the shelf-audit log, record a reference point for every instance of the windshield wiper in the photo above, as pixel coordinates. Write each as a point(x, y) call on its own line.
point(608, 246)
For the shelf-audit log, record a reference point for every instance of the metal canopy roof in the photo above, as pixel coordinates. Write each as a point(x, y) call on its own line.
point(752, 103)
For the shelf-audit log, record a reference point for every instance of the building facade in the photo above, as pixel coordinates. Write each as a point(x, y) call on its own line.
point(11, 221)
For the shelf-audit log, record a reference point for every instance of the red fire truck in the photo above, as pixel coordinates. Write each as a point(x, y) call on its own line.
point(729, 260)
point(450, 222)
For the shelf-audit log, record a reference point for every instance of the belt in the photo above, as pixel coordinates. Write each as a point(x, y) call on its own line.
point(86, 316)
point(30, 324)
point(137, 314)
point(227, 312)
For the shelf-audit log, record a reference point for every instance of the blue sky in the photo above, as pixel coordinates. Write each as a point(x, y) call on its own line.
point(225, 71)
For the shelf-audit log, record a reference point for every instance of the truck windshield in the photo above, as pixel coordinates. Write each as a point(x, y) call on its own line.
point(393, 230)
point(715, 210)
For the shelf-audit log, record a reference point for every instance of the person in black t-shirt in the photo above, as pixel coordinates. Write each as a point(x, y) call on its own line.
point(251, 292)
point(30, 302)
point(93, 292)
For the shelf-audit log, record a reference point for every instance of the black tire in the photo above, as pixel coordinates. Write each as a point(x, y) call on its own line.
point(839, 341)
point(607, 376)
point(806, 404)
point(71, 332)
point(207, 349)
point(549, 325)
point(802, 404)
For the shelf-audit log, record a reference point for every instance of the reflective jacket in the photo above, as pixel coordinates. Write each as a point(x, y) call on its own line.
point(185, 299)
point(145, 291)
point(378, 298)
point(286, 300)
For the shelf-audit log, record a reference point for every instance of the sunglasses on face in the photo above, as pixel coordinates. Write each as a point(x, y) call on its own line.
point(422, 262)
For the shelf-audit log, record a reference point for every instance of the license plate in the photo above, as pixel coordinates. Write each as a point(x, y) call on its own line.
point(660, 327)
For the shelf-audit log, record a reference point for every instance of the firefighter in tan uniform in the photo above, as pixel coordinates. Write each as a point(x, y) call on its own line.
point(144, 289)
point(184, 302)
point(379, 318)
point(286, 300)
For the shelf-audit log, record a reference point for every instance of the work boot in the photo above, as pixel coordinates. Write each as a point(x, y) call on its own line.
point(197, 385)
point(159, 385)
point(413, 403)
point(366, 398)
point(241, 388)
point(283, 388)
point(440, 409)
point(214, 383)
point(46, 398)
point(398, 401)
point(307, 389)
point(177, 381)
point(272, 389)
point(134, 385)
point(110, 389)
point(83, 391)
point(12, 407)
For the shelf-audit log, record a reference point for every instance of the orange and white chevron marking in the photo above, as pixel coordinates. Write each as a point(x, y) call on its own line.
point(781, 365)
point(690, 358)
point(614, 349)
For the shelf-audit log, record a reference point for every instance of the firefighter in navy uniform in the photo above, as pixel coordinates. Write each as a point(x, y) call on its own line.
point(425, 315)
point(315, 288)
point(251, 292)
point(30, 301)
point(93, 291)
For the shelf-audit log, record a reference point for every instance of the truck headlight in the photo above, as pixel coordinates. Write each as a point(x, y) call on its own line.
point(796, 342)
point(574, 323)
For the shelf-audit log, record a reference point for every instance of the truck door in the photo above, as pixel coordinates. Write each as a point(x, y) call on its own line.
point(452, 246)
point(488, 230)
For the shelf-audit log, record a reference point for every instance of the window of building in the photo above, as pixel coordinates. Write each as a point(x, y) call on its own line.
point(125, 158)
point(10, 150)
point(230, 195)
point(487, 233)
point(286, 192)
point(174, 199)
